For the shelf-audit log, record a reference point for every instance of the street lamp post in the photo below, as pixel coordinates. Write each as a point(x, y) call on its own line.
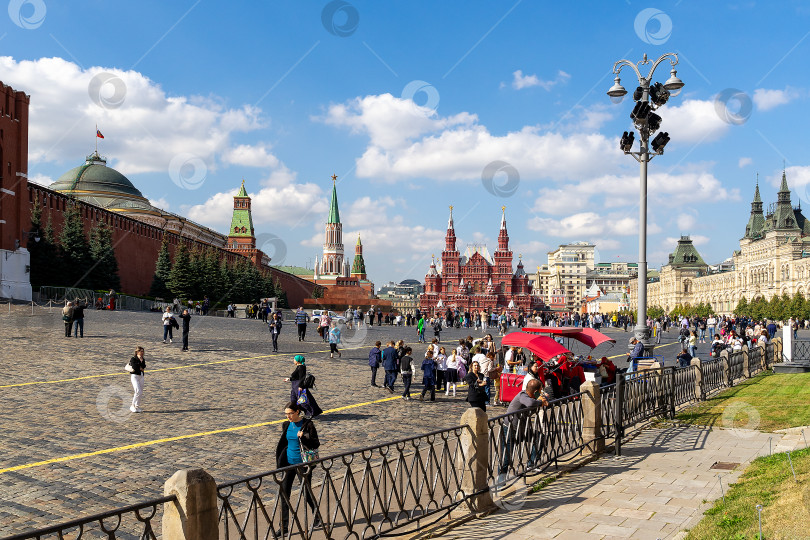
point(648, 98)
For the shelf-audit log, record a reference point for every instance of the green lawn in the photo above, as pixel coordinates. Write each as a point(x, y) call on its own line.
point(769, 482)
point(767, 402)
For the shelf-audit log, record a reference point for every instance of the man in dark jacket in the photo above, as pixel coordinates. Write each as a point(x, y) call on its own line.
point(78, 318)
point(390, 361)
point(186, 316)
point(518, 428)
point(301, 319)
point(374, 360)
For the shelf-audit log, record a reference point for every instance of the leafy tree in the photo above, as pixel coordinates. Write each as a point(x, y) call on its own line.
point(742, 308)
point(75, 251)
point(758, 308)
point(796, 307)
point(104, 273)
point(181, 281)
point(163, 268)
point(775, 308)
point(655, 311)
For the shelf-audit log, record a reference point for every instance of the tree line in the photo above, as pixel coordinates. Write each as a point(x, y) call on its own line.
point(778, 308)
point(200, 272)
point(71, 258)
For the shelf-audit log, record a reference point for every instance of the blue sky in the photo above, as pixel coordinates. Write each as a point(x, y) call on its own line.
point(411, 104)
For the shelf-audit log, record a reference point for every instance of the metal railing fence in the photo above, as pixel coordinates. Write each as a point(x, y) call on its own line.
point(735, 366)
point(714, 375)
point(138, 521)
point(358, 494)
point(531, 440)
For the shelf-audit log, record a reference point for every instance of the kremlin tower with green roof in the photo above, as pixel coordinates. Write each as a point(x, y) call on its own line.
point(332, 265)
point(241, 235)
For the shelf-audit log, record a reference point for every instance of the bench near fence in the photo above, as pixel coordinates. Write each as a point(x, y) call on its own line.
point(396, 487)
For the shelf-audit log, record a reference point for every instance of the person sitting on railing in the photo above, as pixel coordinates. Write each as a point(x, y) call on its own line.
point(634, 355)
point(684, 358)
point(299, 439)
point(717, 345)
point(517, 429)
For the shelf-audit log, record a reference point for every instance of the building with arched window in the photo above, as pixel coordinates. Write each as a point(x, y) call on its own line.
point(773, 259)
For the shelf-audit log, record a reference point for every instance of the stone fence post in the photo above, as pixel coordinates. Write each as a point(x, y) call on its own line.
point(194, 516)
point(699, 392)
point(746, 362)
point(726, 366)
point(592, 417)
point(783, 348)
point(475, 451)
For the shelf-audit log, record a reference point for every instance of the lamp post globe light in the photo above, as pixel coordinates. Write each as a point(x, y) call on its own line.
point(648, 97)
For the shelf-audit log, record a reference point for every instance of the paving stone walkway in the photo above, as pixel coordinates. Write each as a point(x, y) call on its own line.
point(658, 488)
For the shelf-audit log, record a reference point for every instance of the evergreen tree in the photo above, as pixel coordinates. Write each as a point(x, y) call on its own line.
point(163, 268)
point(43, 252)
point(181, 282)
point(281, 294)
point(211, 283)
point(104, 273)
point(758, 308)
point(225, 278)
point(75, 251)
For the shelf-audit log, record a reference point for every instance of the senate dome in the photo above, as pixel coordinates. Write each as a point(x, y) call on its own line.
point(102, 186)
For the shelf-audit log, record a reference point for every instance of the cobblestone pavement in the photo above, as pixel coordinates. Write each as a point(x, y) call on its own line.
point(228, 379)
point(660, 486)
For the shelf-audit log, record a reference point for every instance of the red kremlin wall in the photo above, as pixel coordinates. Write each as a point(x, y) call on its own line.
point(137, 244)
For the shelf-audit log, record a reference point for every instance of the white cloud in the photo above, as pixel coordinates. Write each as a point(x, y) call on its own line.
point(692, 121)
point(289, 206)
point(161, 203)
point(144, 128)
point(686, 222)
point(744, 162)
point(521, 81)
point(407, 141)
point(365, 211)
point(608, 243)
point(766, 99)
point(250, 155)
point(585, 225)
point(41, 179)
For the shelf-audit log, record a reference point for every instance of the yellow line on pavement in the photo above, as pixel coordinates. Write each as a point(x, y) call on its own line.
point(118, 374)
point(177, 438)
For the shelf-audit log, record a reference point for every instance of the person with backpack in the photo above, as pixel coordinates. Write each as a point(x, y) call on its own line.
point(437, 329)
point(301, 384)
point(374, 361)
point(428, 376)
point(406, 370)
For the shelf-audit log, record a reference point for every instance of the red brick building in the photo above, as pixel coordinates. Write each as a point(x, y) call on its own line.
point(14, 212)
point(476, 280)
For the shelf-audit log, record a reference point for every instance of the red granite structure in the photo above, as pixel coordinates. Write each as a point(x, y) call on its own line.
point(476, 280)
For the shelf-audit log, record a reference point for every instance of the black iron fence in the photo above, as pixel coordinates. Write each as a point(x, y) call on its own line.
point(608, 399)
point(531, 440)
point(138, 521)
point(713, 376)
point(685, 385)
point(358, 494)
point(755, 360)
point(735, 366)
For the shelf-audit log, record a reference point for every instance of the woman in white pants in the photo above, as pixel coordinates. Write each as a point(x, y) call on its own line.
point(138, 365)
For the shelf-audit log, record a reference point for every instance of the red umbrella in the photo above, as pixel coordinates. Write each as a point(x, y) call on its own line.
point(542, 346)
point(587, 336)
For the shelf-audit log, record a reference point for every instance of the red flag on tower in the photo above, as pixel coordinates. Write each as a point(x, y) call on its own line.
point(98, 134)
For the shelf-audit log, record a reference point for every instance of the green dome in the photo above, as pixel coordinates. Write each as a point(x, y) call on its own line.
point(98, 184)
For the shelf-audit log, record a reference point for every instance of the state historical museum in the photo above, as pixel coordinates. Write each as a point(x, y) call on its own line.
point(476, 280)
